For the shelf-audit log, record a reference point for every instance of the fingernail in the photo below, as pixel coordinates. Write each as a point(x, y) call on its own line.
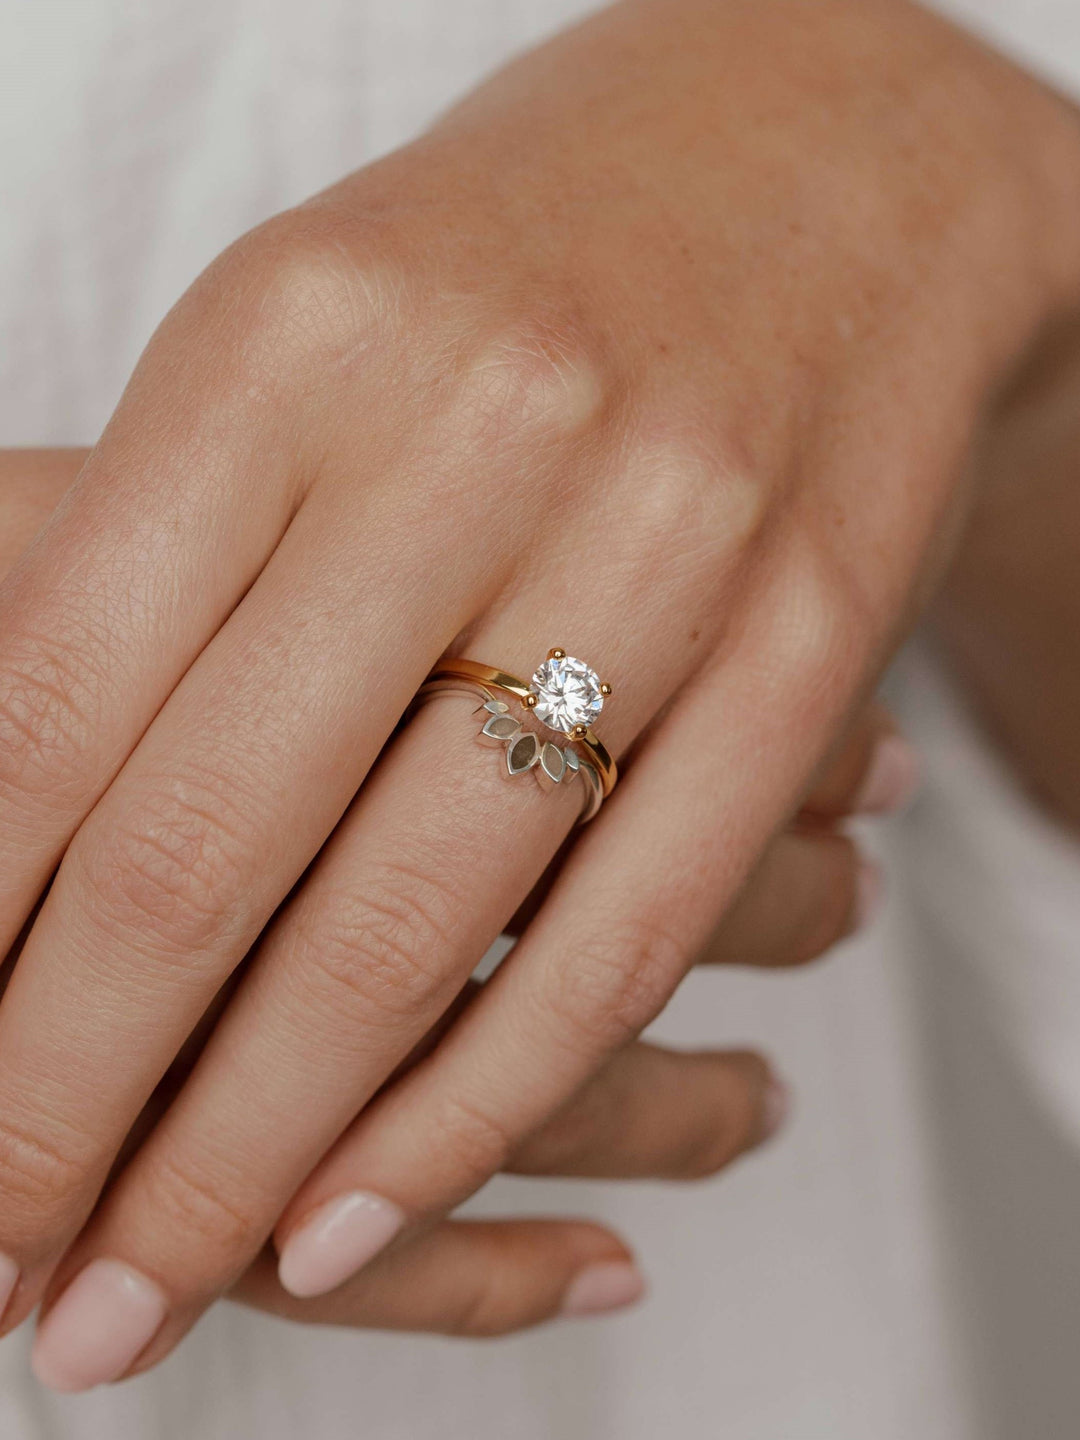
point(609, 1285)
point(336, 1241)
point(9, 1278)
point(98, 1328)
point(869, 894)
point(775, 1107)
point(892, 779)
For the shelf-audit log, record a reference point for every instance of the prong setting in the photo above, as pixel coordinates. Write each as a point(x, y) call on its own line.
point(568, 694)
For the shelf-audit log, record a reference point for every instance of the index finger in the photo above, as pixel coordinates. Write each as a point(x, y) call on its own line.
point(145, 556)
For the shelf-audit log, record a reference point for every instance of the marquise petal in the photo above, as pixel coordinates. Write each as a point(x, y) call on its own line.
point(523, 754)
point(553, 762)
point(502, 727)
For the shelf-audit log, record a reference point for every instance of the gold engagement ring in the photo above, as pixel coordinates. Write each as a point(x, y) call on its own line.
point(565, 695)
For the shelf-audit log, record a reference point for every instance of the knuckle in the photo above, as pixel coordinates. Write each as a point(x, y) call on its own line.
point(690, 499)
point(381, 948)
point(618, 983)
point(478, 1142)
point(39, 1176)
point(536, 378)
point(174, 869)
point(821, 637)
point(190, 1203)
point(487, 1309)
point(305, 289)
point(46, 721)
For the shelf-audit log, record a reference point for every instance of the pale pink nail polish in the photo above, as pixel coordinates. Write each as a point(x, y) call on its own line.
point(607, 1285)
point(892, 779)
point(869, 895)
point(9, 1278)
point(336, 1241)
point(98, 1328)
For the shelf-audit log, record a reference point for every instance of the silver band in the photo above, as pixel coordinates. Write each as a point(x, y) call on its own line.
point(524, 750)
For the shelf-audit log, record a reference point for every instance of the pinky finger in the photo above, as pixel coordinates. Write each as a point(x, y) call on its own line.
point(808, 892)
point(655, 1113)
point(468, 1277)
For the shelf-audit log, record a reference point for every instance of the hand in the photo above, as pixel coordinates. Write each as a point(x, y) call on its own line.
point(648, 1112)
point(675, 373)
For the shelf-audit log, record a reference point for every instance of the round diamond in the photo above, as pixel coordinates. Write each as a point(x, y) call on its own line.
point(567, 694)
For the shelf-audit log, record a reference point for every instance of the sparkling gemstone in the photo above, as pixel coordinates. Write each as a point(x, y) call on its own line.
point(567, 694)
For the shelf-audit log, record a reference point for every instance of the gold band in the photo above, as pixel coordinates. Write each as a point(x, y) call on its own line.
point(472, 673)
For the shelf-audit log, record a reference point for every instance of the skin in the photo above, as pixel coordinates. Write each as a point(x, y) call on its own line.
point(650, 1112)
point(613, 340)
point(654, 1112)
point(1010, 613)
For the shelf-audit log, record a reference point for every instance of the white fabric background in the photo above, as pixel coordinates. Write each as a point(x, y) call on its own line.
point(905, 1262)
